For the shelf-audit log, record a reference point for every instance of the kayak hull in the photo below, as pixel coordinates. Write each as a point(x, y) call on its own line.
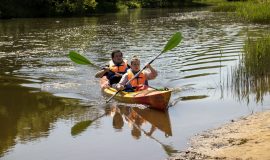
point(151, 97)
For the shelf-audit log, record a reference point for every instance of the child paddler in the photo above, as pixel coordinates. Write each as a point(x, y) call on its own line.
point(141, 81)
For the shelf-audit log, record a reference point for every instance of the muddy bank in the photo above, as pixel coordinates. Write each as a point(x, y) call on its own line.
point(245, 139)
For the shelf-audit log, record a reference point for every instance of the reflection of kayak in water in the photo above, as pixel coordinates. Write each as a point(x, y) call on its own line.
point(135, 116)
point(154, 98)
point(160, 120)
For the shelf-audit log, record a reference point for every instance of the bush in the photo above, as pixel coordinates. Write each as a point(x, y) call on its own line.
point(133, 4)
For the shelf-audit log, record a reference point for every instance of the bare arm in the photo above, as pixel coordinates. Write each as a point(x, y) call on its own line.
point(150, 72)
point(122, 82)
point(101, 73)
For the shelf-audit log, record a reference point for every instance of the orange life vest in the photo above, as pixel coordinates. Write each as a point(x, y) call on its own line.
point(118, 68)
point(138, 81)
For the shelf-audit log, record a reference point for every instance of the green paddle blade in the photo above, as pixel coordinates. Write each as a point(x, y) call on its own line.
point(80, 127)
point(173, 42)
point(169, 149)
point(77, 58)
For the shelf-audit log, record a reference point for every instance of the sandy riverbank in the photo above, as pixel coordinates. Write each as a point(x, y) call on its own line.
point(245, 139)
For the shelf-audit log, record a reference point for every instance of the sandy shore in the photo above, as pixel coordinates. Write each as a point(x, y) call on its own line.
point(245, 139)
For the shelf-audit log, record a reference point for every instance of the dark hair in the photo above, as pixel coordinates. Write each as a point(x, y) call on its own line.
point(115, 51)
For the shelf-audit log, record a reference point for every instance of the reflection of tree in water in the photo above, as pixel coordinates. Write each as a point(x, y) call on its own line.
point(9, 65)
point(252, 75)
point(27, 114)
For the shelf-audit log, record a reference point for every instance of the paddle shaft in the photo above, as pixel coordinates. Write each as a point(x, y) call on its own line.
point(136, 75)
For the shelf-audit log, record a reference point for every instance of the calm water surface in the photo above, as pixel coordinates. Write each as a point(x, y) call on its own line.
point(51, 108)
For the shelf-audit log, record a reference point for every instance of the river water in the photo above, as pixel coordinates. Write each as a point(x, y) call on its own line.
point(51, 108)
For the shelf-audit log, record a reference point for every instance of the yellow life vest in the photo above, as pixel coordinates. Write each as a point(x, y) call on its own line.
point(118, 68)
point(139, 80)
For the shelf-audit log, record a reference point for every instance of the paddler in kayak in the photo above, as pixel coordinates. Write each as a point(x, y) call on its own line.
point(116, 68)
point(141, 81)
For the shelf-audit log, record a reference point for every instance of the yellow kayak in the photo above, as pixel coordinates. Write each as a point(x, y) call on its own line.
point(153, 98)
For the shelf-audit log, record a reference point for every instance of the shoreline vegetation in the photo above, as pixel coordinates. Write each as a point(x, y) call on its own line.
point(78, 8)
point(249, 136)
point(255, 11)
point(252, 74)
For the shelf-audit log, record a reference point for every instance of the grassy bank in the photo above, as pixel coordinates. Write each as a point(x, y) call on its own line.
point(256, 11)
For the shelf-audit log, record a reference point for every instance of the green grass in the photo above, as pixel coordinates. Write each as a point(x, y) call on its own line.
point(252, 75)
point(255, 12)
point(257, 56)
point(226, 7)
point(251, 11)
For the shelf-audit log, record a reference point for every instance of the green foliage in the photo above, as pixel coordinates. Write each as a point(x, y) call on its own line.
point(47, 8)
point(106, 6)
point(253, 11)
point(89, 4)
point(64, 8)
point(133, 4)
point(226, 7)
point(71, 7)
